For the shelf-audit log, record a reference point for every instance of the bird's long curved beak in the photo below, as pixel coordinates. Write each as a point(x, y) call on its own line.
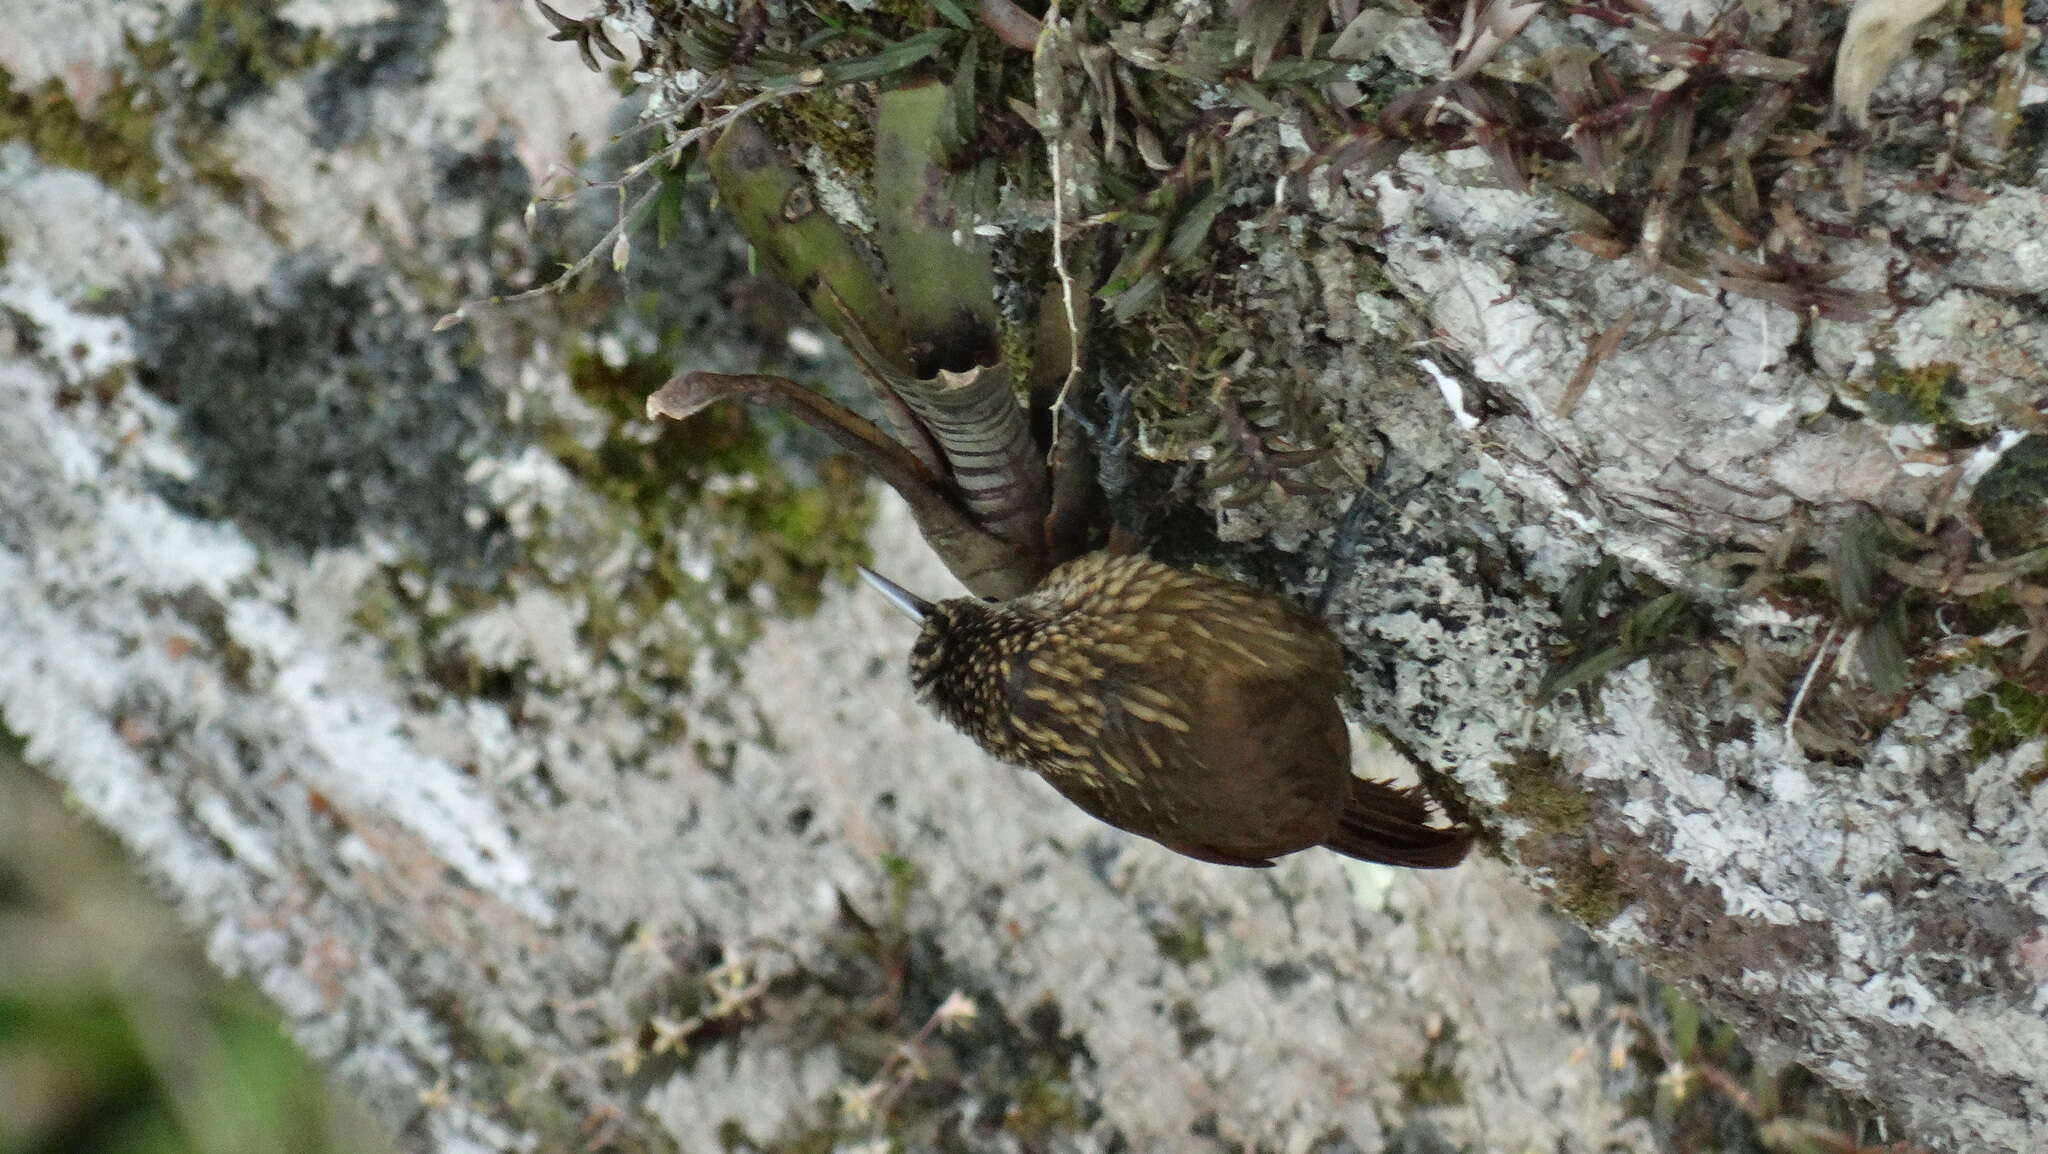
point(913, 606)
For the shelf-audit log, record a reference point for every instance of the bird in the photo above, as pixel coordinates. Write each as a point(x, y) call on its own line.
point(1189, 709)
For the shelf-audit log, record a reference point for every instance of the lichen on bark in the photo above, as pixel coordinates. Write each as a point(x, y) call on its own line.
point(1615, 288)
point(574, 838)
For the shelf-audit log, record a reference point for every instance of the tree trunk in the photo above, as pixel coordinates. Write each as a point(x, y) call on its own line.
point(544, 767)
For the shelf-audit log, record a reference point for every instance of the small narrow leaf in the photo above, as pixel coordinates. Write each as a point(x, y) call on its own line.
point(1685, 1023)
point(1193, 228)
point(1858, 555)
point(1592, 666)
point(1883, 657)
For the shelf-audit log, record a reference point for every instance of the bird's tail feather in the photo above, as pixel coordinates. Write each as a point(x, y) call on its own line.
point(1386, 823)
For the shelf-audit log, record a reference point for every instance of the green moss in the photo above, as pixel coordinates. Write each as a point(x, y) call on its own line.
point(2011, 503)
point(840, 122)
point(1977, 49)
point(244, 46)
point(709, 525)
point(1539, 795)
point(1590, 892)
point(1438, 1086)
point(116, 139)
point(790, 534)
point(1182, 942)
point(1018, 349)
point(1043, 1107)
point(1915, 396)
point(2004, 718)
point(1559, 841)
point(113, 146)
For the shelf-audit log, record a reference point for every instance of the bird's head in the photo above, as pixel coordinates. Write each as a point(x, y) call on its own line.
point(959, 651)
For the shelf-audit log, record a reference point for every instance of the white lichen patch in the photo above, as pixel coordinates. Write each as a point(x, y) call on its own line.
point(332, 16)
point(835, 195)
point(81, 45)
point(751, 1088)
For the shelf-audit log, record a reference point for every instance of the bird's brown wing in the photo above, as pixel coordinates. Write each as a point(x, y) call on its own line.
point(1123, 749)
point(1250, 767)
point(1264, 769)
point(1295, 708)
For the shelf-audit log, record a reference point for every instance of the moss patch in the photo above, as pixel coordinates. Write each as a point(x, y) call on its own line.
point(2005, 718)
point(243, 46)
point(2012, 500)
point(1538, 794)
point(216, 53)
point(1917, 396)
point(1591, 892)
point(1584, 885)
point(838, 122)
point(115, 146)
point(1182, 942)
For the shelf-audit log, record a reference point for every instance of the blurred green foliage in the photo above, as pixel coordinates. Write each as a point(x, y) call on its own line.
point(116, 1036)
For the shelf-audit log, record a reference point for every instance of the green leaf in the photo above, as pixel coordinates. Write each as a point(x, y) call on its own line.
point(668, 206)
point(1580, 605)
point(963, 117)
point(1763, 1090)
point(1133, 300)
point(1685, 1023)
point(1595, 664)
point(1648, 625)
point(1193, 228)
point(895, 58)
point(776, 211)
point(1137, 261)
point(940, 271)
point(1883, 657)
point(1859, 554)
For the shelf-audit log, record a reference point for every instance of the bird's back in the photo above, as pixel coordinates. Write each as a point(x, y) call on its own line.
point(1194, 711)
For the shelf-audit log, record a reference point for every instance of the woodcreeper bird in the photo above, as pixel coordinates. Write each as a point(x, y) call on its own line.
point(1195, 711)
